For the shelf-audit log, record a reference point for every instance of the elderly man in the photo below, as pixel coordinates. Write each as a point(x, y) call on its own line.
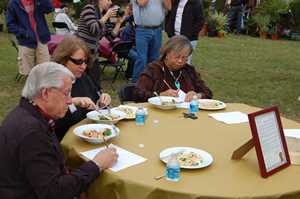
point(32, 161)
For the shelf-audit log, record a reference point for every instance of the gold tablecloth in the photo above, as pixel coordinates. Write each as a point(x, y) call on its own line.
point(224, 178)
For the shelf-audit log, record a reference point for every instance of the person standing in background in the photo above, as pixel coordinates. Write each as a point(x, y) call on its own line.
point(186, 18)
point(236, 8)
point(94, 24)
point(148, 16)
point(26, 20)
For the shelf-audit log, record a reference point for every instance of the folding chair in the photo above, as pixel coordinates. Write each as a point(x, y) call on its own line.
point(120, 47)
point(125, 92)
point(18, 76)
point(60, 25)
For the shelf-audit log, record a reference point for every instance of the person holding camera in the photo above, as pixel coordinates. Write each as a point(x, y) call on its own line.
point(94, 24)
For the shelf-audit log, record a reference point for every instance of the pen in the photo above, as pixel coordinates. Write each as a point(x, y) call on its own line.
point(167, 84)
point(105, 142)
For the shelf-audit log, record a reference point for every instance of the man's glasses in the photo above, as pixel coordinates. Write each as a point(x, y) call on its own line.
point(177, 57)
point(67, 93)
point(80, 61)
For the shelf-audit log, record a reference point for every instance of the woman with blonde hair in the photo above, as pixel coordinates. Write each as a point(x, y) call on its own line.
point(74, 54)
point(93, 25)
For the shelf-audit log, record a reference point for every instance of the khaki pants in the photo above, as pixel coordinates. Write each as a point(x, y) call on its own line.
point(30, 57)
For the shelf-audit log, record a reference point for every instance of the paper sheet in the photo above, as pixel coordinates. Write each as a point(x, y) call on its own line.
point(292, 133)
point(126, 158)
point(182, 97)
point(230, 117)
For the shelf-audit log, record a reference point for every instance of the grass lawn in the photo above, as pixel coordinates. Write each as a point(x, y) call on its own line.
point(238, 69)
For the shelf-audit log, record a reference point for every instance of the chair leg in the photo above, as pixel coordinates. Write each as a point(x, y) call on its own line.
point(18, 77)
point(108, 81)
point(118, 70)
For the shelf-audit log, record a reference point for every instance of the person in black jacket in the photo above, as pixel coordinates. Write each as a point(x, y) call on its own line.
point(186, 18)
point(32, 160)
point(74, 54)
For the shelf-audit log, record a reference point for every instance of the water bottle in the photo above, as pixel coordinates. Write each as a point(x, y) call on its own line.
point(173, 169)
point(194, 105)
point(140, 116)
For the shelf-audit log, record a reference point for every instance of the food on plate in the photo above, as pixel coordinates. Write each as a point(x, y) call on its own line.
point(188, 159)
point(97, 134)
point(169, 103)
point(209, 104)
point(129, 111)
point(102, 117)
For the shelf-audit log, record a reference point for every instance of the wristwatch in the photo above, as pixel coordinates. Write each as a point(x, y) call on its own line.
point(98, 167)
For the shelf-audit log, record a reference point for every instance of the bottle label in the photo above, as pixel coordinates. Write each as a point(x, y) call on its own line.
point(173, 173)
point(140, 118)
point(194, 108)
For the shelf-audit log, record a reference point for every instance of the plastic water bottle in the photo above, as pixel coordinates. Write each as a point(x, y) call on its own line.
point(173, 169)
point(140, 116)
point(194, 105)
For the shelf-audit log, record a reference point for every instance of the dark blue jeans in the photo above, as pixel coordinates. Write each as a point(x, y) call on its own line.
point(232, 11)
point(148, 43)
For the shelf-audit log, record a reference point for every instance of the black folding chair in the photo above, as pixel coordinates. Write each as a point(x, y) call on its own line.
point(125, 92)
point(18, 76)
point(60, 25)
point(120, 47)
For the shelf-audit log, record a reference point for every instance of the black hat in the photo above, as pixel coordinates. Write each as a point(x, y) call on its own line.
point(63, 5)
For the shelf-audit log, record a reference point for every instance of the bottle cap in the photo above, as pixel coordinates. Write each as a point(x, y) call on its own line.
point(140, 106)
point(194, 97)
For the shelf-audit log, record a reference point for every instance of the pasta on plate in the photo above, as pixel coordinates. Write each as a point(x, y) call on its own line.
point(129, 111)
point(210, 104)
point(188, 159)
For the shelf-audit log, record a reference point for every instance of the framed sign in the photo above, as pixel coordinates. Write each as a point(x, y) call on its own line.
point(269, 141)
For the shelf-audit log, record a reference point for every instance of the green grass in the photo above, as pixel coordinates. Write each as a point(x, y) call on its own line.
point(238, 69)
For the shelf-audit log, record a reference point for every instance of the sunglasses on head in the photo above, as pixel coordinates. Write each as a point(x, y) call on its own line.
point(80, 61)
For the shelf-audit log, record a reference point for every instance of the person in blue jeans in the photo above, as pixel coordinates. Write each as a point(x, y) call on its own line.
point(128, 34)
point(236, 8)
point(148, 16)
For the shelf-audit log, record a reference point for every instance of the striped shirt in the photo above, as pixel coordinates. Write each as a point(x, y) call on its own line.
point(91, 29)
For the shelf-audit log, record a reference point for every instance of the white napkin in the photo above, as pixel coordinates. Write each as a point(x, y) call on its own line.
point(181, 96)
point(230, 117)
point(292, 132)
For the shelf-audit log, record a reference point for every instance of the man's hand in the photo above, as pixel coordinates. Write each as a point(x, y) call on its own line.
point(106, 158)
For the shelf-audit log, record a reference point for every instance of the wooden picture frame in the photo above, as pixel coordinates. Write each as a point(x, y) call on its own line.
point(270, 144)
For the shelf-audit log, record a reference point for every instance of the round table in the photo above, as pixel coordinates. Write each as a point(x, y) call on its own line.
point(224, 178)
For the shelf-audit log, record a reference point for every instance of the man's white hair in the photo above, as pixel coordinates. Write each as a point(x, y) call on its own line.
point(45, 75)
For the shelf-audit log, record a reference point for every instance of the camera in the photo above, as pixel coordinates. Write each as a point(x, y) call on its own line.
point(119, 11)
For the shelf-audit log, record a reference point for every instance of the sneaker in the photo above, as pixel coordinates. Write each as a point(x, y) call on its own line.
point(237, 33)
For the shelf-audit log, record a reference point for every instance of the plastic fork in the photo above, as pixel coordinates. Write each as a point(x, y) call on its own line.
point(179, 152)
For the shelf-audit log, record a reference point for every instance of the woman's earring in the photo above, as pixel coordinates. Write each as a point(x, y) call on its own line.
point(166, 57)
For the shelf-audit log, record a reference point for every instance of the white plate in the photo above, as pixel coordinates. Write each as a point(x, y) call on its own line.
point(94, 116)
point(132, 107)
point(156, 102)
point(207, 158)
point(99, 127)
point(210, 100)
